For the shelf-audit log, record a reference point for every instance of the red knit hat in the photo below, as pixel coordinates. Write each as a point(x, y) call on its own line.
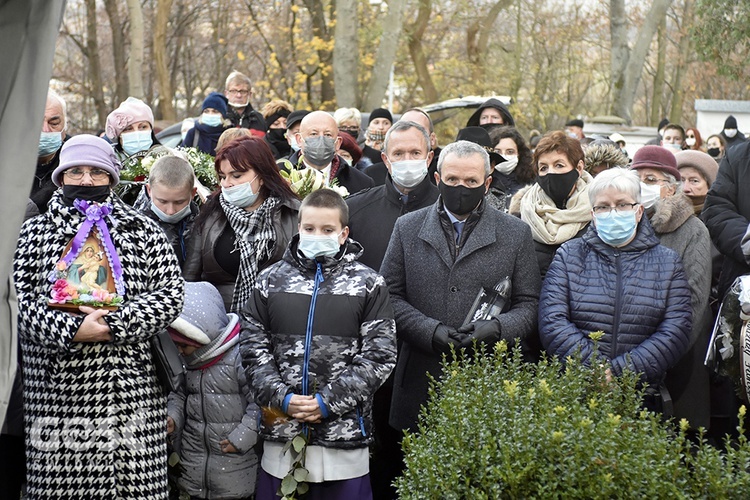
point(658, 158)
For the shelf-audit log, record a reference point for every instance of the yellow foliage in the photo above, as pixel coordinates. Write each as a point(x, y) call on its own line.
point(240, 55)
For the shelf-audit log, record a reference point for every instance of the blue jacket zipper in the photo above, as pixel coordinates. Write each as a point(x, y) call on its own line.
point(618, 305)
point(361, 423)
point(309, 331)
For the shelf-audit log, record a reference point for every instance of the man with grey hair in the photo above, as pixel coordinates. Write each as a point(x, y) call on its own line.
point(238, 89)
point(438, 260)
point(50, 141)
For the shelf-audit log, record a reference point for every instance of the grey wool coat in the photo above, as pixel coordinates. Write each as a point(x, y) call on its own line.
point(428, 287)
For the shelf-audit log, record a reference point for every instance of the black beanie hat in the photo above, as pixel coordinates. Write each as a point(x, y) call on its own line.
point(283, 112)
point(730, 122)
point(380, 113)
point(663, 123)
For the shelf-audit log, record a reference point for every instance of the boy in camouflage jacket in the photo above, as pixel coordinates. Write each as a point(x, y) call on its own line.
point(317, 340)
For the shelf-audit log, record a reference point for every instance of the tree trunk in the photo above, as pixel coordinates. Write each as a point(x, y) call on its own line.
point(477, 40)
point(626, 72)
point(321, 30)
point(683, 61)
point(658, 95)
point(135, 62)
point(517, 78)
point(95, 67)
point(386, 55)
point(118, 51)
point(414, 34)
point(163, 8)
point(346, 54)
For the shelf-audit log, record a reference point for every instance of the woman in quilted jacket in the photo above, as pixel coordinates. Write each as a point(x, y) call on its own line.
point(617, 279)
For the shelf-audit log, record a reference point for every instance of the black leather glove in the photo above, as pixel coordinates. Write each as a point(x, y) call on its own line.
point(443, 338)
point(483, 331)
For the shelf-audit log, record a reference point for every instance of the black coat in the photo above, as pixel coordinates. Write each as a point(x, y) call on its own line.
point(207, 138)
point(373, 213)
point(248, 119)
point(727, 213)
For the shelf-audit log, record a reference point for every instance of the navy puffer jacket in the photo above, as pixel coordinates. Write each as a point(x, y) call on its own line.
point(637, 295)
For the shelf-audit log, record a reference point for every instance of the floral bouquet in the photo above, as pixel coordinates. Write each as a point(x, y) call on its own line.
point(307, 180)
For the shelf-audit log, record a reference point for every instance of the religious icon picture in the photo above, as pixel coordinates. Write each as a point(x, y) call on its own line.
point(84, 277)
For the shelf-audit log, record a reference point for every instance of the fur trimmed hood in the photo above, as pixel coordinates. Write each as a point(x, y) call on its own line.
point(596, 154)
point(671, 213)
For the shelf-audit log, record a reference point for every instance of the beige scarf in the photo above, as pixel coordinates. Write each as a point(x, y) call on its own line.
point(551, 225)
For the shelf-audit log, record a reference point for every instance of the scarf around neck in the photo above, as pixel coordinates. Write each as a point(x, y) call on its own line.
point(255, 236)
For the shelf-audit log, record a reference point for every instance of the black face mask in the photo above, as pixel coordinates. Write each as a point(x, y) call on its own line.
point(97, 194)
point(461, 200)
point(714, 152)
point(277, 134)
point(352, 132)
point(558, 186)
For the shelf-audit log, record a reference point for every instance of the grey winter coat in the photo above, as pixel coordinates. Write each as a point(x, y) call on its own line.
point(429, 287)
point(688, 381)
point(217, 404)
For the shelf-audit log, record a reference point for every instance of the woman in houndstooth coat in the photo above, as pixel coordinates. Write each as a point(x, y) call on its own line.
point(95, 416)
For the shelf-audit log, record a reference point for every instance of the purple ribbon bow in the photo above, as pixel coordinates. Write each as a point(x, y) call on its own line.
point(95, 215)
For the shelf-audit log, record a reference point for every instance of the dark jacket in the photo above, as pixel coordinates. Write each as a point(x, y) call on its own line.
point(378, 171)
point(373, 213)
point(643, 305)
point(429, 287)
point(688, 381)
point(249, 118)
point(502, 189)
point(207, 138)
point(727, 213)
point(201, 263)
point(43, 187)
point(738, 138)
point(372, 153)
point(350, 178)
point(491, 103)
point(178, 233)
point(320, 327)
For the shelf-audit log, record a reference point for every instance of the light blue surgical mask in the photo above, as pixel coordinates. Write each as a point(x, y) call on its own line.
point(170, 219)
point(294, 144)
point(137, 141)
point(212, 120)
point(323, 245)
point(240, 195)
point(615, 228)
point(49, 142)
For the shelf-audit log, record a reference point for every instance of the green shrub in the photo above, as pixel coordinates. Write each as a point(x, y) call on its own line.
point(496, 427)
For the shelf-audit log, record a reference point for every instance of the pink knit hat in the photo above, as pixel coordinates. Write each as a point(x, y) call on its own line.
point(658, 158)
point(130, 111)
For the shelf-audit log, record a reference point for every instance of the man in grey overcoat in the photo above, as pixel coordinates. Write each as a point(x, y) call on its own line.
point(437, 261)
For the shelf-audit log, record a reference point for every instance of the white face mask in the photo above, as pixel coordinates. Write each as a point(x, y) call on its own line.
point(240, 195)
point(318, 245)
point(674, 147)
point(690, 141)
point(650, 194)
point(508, 166)
point(170, 219)
point(408, 173)
point(730, 132)
point(240, 104)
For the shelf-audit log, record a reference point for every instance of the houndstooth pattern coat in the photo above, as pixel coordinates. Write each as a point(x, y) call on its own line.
point(95, 416)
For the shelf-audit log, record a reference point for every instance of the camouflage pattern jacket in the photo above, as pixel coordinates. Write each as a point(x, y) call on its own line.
point(323, 328)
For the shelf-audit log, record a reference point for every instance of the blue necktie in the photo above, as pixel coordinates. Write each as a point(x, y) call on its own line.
point(459, 227)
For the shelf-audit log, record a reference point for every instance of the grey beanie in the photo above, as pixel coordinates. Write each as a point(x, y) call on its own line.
point(203, 316)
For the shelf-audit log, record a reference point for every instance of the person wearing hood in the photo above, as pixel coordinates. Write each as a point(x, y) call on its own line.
point(602, 155)
point(491, 111)
point(318, 339)
point(670, 213)
point(130, 128)
point(438, 259)
point(211, 124)
point(380, 121)
point(275, 113)
point(171, 189)
point(731, 135)
point(50, 141)
point(556, 207)
point(89, 375)
point(514, 170)
point(238, 90)
point(643, 307)
point(213, 419)
point(318, 137)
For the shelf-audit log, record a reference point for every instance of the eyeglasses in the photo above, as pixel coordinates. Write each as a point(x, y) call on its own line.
point(238, 92)
point(620, 208)
point(96, 174)
point(651, 180)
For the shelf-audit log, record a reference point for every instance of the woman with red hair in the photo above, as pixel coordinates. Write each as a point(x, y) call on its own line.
point(693, 139)
point(245, 226)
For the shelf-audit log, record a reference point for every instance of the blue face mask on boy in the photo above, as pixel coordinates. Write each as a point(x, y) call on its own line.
point(314, 245)
point(137, 141)
point(616, 228)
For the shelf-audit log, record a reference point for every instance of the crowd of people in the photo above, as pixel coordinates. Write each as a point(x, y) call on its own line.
point(309, 326)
